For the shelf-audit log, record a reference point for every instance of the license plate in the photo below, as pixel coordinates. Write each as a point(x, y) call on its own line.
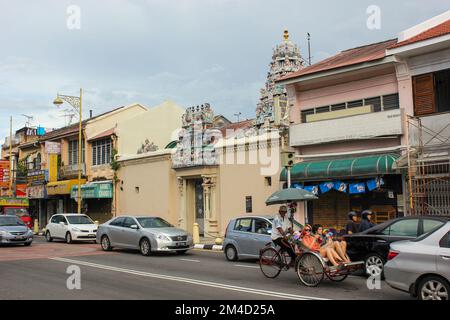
point(179, 244)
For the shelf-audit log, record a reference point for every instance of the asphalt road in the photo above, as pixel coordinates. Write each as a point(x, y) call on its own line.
point(41, 272)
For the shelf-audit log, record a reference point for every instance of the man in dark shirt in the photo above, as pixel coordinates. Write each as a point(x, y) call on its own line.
point(351, 226)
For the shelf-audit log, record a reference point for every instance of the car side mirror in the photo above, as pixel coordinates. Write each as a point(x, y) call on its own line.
point(62, 223)
point(134, 226)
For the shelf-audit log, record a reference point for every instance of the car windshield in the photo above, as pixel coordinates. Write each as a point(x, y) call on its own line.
point(20, 212)
point(10, 221)
point(79, 220)
point(153, 223)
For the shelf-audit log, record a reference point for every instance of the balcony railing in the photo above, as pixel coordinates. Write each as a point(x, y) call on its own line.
point(355, 127)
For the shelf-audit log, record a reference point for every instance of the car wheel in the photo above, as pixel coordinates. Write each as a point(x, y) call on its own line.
point(181, 252)
point(48, 237)
point(106, 244)
point(231, 253)
point(433, 288)
point(145, 247)
point(68, 238)
point(374, 265)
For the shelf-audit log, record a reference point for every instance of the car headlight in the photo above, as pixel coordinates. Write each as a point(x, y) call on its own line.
point(75, 229)
point(3, 233)
point(163, 237)
point(30, 231)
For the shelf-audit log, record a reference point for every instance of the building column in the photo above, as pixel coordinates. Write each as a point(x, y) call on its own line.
point(209, 195)
point(182, 218)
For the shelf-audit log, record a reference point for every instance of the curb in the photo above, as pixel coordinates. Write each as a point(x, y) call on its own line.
point(213, 247)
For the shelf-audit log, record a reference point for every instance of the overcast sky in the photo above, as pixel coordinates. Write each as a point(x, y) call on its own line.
point(189, 51)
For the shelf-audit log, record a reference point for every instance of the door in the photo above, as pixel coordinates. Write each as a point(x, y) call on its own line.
point(53, 226)
point(199, 206)
point(443, 258)
point(62, 229)
point(130, 237)
point(114, 230)
point(243, 230)
point(260, 235)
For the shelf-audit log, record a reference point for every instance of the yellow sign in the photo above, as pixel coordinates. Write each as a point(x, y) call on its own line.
point(53, 167)
point(62, 187)
point(13, 202)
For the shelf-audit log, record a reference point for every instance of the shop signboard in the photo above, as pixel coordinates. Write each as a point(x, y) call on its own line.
point(36, 192)
point(36, 177)
point(21, 190)
point(93, 191)
point(4, 174)
point(52, 147)
point(14, 202)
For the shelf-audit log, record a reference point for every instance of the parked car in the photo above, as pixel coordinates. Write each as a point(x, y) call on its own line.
point(21, 213)
point(246, 236)
point(14, 231)
point(147, 234)
point(422, 266)
point(71, 227)
point(372, 245)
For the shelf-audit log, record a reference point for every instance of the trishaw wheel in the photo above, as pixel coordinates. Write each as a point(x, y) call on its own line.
point(309, 269)
point(270, 262)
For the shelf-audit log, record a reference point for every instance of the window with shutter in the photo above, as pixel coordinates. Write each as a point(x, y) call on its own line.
point(424, 100)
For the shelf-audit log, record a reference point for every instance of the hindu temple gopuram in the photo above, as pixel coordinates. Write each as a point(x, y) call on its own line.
point(272, 106)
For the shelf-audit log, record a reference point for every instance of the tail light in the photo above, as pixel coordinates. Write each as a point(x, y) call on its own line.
point(392, 254)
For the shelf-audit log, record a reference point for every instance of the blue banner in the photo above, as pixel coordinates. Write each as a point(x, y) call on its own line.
point(340, 186)
point(355, 188)
point(314, 189)
point(375, 183)
point(326, 186)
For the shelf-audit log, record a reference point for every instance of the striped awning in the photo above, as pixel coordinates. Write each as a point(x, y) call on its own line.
point(342, 168)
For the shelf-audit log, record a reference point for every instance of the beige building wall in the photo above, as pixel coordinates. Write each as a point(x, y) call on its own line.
point(102, 124)
point(157, 125)
point(148, 186)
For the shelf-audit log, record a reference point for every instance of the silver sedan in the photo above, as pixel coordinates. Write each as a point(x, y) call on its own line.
point(422, 266)
point(147, 234)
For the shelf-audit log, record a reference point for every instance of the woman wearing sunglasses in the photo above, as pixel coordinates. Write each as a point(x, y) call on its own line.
point(312, 242)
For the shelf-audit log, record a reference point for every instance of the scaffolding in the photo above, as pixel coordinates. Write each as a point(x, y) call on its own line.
point(428, 169)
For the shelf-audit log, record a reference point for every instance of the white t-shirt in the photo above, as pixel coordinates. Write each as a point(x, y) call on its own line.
point(279, 222)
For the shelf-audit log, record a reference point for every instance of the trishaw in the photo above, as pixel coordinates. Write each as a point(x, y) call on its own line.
point(310, 266)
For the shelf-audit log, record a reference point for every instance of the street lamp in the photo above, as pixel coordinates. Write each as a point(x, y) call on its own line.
point(76, 103)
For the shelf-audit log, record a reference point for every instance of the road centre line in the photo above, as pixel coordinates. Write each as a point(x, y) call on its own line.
point(190, 260)
point(190, 281)
point(245, 266)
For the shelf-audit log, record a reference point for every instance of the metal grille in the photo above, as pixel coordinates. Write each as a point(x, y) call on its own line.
point(430, 186)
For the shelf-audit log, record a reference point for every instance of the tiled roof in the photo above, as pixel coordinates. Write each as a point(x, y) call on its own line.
point(437, 31)
point(370, 52)
point(234, 126)
point(105, 134)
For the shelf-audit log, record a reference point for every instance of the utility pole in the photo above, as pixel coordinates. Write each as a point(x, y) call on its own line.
point(10, 158)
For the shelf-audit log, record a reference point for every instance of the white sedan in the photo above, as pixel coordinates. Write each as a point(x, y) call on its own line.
point(71, 227)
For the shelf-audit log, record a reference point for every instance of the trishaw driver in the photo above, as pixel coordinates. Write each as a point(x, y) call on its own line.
point(281, 226)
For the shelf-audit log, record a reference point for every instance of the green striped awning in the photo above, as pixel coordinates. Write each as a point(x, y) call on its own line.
point(341, 168)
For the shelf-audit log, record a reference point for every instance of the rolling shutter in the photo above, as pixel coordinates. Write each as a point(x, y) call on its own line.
point(424, 100)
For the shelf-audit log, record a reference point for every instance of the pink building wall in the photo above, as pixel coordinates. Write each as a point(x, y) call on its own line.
point(370, 83)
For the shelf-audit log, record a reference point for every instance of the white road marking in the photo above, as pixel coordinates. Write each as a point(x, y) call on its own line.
point(190, 260)
point(245, 266)
point(190, 281)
